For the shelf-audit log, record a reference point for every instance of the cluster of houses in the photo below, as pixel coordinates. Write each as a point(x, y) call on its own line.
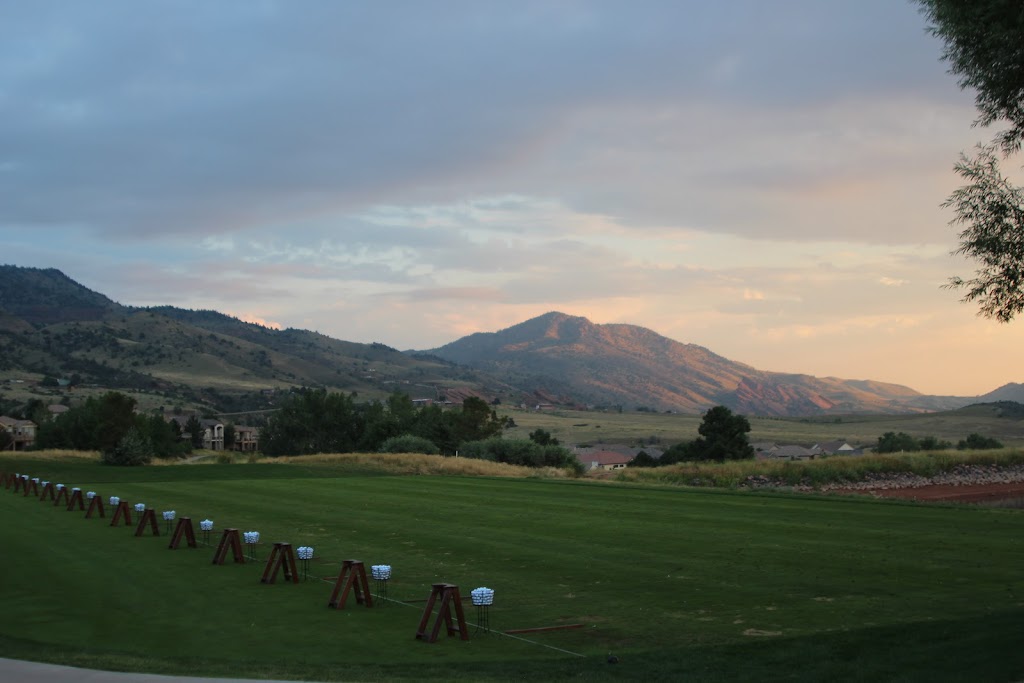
point(23, 432)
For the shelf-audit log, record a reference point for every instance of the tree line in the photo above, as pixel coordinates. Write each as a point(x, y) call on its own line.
point(316, 421)
point(898, 442)
point(110, 424)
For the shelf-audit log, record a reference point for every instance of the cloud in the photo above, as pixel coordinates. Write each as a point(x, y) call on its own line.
point(744, 175)
point(892, 282)
point(249, 318)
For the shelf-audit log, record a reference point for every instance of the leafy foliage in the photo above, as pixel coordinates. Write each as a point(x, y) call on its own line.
point(101, 424)
point(975, 441)
point(543, 437)
point(521, 452)
point(983, 40)
point(643, 459)
point(194, 430)
point(408, 443)
point(723, 436)
point(901, 442)
point(315, 421)
point(991, 209)
point(133, 449)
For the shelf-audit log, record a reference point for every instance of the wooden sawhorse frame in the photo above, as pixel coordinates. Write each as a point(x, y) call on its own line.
point(183, 529)
point(76, 499)
point(229, 539)
point(95, 505)
point(283, 555)
point(62, 494)
point(123, 512)
point(351, 579)
point(450, 598)
point(147, 516)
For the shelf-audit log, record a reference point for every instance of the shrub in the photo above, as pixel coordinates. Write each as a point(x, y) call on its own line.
point(409, 443)
point(975, 441)
point(521, 452)
point(133, 449)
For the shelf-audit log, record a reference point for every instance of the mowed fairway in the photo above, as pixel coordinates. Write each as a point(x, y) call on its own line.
point(677, 584)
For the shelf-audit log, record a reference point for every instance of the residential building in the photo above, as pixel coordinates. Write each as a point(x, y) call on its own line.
point(22, 432)
point(247, 439)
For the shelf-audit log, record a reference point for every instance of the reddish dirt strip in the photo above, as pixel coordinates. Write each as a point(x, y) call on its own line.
point(978, 493)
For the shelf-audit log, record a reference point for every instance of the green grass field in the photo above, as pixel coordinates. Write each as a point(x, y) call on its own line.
point(679, 584)
point(594, 427)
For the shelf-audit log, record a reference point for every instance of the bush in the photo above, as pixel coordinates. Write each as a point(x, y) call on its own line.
point(408, 443)
point(521, 452)
point(977, 442)
point(133, 449)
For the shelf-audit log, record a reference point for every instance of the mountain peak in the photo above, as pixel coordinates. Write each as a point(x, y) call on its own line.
point(556, 354)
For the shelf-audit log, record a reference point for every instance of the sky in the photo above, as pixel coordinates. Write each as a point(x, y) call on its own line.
point(762, 179)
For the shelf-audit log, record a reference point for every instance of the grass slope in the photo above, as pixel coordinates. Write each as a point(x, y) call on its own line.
point(701, 585)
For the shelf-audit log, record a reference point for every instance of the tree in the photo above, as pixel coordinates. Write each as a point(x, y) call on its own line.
point(133, 449)
point(983, 47)
point(543, 437)
point(229, 436)
point(983, 40)
point(931, 443)
point(643, 459)
point(313, 421)
point(476, 421)
point(975, 441)
point(891, 442)
point(723, 436)
point(195, 430)
point(99, 424)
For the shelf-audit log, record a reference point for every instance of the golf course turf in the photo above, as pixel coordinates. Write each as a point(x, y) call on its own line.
point(674, 583)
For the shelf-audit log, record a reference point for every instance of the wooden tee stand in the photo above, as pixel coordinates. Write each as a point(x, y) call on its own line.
point(76, 499)
point(183, 529)
point(122, 513)
point(31, 485)
point(62, 494)
point(7, 479)
point(283, 555)
point(95, 504)
point(18, 483)
point(351, 579)
point(47, 491)
point(449, 595)
point(229, 538)
point(147, 516)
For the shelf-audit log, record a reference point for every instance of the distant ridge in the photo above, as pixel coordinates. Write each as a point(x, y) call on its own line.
point(625, 365)
point(52, 326)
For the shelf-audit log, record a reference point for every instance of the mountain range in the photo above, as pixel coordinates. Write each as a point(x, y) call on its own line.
point(53, 327)
point(571, 359)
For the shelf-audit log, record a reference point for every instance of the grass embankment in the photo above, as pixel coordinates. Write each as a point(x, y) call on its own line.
point(679, 584)
point(832, 470)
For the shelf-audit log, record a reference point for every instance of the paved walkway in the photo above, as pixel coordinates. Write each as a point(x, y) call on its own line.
point(16, 671)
